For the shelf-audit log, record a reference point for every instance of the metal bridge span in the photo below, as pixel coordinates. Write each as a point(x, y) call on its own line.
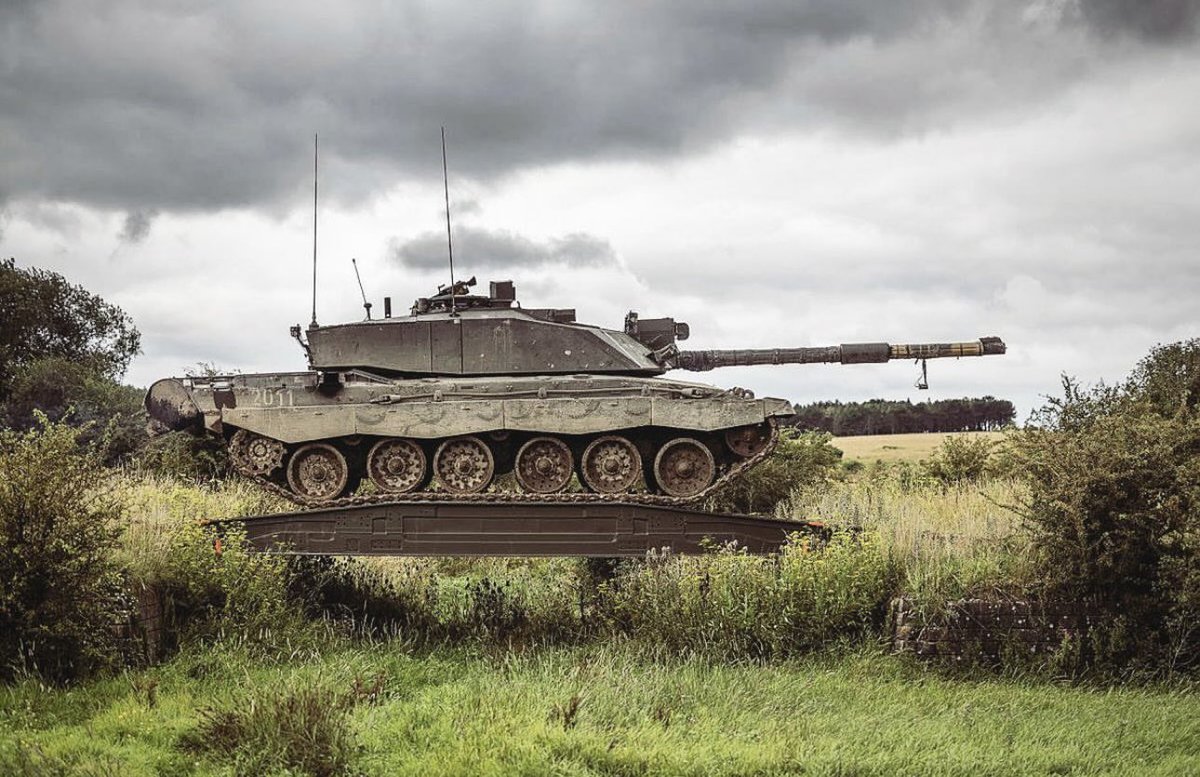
point(428, 528)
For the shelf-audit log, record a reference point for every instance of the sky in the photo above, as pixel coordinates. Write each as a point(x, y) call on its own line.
point(773, 172)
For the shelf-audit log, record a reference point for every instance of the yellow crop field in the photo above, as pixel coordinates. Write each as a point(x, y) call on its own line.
point(898, 447)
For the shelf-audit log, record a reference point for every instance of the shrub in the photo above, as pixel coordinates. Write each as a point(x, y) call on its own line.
point(58, 530)
point(185, 456)
point(960, 459)
point(236, 591)
point(801, 460)
point(1114, 504)
point(168, 546)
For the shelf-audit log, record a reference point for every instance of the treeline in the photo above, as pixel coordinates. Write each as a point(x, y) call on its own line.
point(881, 416)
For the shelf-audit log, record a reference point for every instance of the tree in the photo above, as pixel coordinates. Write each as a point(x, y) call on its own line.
point(45, 315)
point(62, 351)
point(109, 414)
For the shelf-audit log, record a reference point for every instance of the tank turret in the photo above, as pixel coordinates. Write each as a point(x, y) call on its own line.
point(468, 386)
point(475, 335)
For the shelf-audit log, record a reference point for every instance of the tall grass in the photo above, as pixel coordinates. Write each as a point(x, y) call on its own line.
point(158, 507)
point(213, 585)
point(734, 605)
point(946, 541)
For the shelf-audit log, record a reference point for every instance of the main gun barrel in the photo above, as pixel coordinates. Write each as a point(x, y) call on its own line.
point(849, 353)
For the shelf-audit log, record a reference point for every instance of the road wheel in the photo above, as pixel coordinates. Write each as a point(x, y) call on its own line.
point(611, 465)
point(318, 471)
point(684, 467)
point(544, 465)
point(397, 466)
point(464, 465)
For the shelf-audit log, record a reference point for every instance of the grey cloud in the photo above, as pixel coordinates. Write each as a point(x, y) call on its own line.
point(137, 225)
point(464, 208)
point(1155, 20)
point(487, 249)
point(135, 105)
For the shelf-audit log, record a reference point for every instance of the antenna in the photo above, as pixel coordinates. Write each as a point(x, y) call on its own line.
point(314, 296)
point(366, 305)
point(449, 240)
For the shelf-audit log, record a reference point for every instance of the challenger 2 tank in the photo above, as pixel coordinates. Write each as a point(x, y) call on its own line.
point(467, 387)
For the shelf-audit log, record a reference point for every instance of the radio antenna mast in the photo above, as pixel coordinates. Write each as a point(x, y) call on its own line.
point(366, 305)
point(449, 240)
point(314, 294)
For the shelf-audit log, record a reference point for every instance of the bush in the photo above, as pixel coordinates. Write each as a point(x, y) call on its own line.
point(169, 546)
point(1114, 504)
point(801, 460)
point(185, 456)
point(58, 530)
point(234, 592)
point(960, 459)
point(735, 605)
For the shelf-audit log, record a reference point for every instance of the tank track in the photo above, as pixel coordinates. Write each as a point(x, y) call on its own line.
point(507, 497)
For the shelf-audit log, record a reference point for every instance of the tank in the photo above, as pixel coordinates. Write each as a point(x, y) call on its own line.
point(469, 387)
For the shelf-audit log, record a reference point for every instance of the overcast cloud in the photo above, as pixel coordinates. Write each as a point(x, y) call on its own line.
point(501, 249)
point(780, 170)
point(153, 105)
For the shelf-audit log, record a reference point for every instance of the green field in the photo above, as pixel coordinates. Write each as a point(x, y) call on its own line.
point(585, 711)
point(890, 448)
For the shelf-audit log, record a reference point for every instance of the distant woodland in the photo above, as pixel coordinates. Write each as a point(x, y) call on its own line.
point(881, 416)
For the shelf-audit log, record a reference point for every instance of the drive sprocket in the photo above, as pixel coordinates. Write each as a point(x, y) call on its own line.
point(254, 455)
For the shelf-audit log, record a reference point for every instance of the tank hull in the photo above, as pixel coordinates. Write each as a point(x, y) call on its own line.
point(354, 413)
point(292, 407)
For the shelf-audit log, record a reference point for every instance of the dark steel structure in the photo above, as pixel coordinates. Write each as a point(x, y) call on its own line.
point(603, 530)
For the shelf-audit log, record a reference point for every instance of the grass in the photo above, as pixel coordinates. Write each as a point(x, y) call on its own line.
point(156, 507)
point(946, 541)
point(592, 710)
point(892, 448)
